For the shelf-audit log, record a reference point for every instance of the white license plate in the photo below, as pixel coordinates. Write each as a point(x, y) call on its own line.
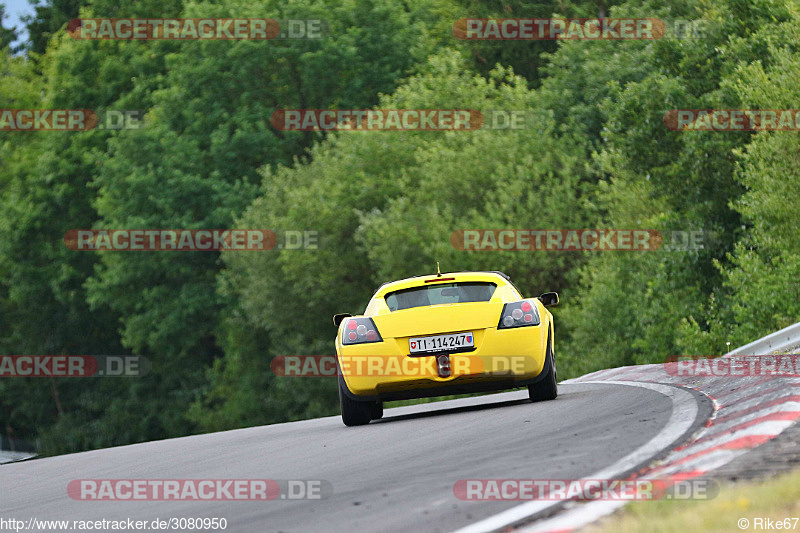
point(441, 343)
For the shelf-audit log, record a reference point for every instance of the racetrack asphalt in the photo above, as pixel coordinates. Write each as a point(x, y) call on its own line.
point(395, 474)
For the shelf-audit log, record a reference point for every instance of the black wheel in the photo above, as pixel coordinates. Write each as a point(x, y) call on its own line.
point(547, 387)
point(354, 413)
point(376, 410)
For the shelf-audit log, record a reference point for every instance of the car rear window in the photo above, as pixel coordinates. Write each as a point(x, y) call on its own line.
point(441, 293)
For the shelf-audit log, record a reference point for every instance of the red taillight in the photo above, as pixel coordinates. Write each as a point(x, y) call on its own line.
point(518, 314)
point(360, 329)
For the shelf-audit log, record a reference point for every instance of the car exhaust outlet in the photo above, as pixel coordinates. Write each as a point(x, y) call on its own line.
point(444, 366)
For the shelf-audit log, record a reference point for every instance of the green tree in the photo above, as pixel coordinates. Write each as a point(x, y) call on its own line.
point(667, 180)
point(47, 191)
point(49, 17)
point(759, 293)
point(528, 58)
point(209, 133)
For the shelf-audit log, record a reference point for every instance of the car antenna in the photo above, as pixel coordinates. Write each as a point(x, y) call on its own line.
point(438, 272)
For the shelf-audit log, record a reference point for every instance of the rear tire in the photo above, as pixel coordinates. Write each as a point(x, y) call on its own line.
point(354, 412)
point(547, 388)
point(376, 410)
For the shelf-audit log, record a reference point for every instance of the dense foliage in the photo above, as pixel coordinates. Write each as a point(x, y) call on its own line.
point(594, 153)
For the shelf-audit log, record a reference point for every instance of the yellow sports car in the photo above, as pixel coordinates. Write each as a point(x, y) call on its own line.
point(444, 334)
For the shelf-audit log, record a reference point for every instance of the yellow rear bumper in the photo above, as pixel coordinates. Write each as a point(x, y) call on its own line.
point(506, 357)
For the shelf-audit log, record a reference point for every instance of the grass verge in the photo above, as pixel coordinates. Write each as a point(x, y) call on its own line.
point(775, 499)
